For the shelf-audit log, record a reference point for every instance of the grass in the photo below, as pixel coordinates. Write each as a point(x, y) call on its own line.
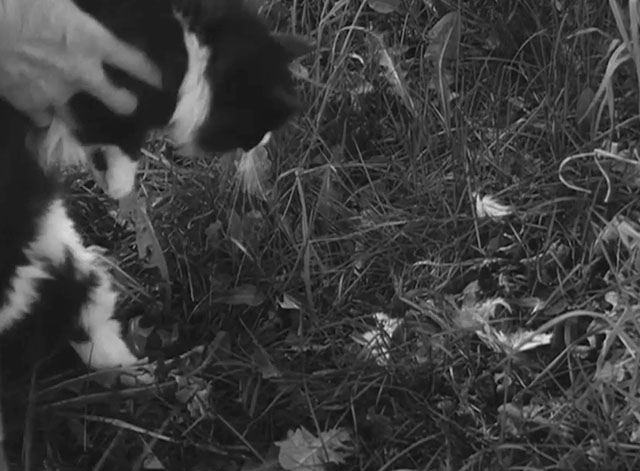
point(373, 207)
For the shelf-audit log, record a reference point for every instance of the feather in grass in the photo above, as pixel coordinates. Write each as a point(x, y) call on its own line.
point(254, 169)
point(377, 341)
point(488, 206)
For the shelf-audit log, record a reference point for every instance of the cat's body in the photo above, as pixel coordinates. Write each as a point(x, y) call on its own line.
point(48, 278)
point(226, 83)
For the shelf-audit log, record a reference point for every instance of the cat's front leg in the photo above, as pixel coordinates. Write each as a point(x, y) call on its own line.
point(113, 169)
point(77, 297)
point(103, 344)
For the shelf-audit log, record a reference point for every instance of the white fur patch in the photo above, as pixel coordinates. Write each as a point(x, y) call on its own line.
point(120, 177)
point(55, 234)
point(194, 96)
point(22, 294)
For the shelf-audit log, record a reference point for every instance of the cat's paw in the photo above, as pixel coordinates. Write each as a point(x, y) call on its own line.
point(114, 171)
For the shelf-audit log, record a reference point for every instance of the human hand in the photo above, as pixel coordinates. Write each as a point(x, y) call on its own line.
point(50, 50)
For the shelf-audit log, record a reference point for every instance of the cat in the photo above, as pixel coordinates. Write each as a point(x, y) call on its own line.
point(49, 281)
point(226, 86)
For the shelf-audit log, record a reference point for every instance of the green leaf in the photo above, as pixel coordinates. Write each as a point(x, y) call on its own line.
point(149, 249)
point(444, 37)
point(384, 6)
point(248, 295)
point(303, 451)
point(267, 369)
point(394, 74)
point(212, 232)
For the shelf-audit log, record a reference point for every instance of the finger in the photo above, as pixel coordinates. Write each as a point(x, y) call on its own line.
point(119, 100)
point(130, 60)
point(41, 118)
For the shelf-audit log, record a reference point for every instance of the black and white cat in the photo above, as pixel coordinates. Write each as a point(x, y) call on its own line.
point(226, 84)
point(50, 282)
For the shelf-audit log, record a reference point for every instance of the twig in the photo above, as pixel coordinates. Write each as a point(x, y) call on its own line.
point(134, 428)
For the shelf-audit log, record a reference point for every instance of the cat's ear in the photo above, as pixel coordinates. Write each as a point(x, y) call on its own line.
point(295, 46)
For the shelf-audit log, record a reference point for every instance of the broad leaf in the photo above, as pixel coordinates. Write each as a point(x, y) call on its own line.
point(384, 6)
point(303, 451)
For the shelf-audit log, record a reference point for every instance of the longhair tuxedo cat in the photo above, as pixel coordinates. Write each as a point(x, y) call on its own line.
point(51, 285)
point(226, 84)
point(53, 289)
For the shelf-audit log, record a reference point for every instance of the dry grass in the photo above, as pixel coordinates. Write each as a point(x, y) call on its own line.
point(372, 208)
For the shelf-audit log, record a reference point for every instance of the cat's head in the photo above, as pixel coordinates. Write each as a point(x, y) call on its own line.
point(226, 83)
point(238, 85)
point(226, 77)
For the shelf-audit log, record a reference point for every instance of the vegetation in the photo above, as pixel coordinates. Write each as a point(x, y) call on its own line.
point(434, 267)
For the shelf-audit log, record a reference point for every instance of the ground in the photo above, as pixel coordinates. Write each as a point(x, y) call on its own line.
point(436, 270)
